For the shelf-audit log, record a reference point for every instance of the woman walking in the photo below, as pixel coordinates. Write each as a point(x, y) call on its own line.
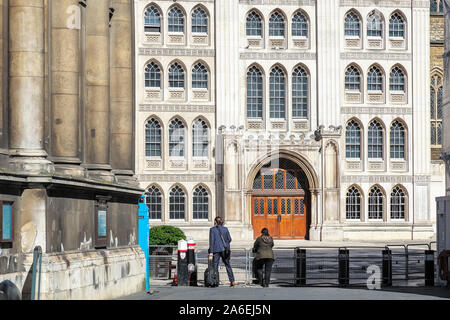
point(264, 257)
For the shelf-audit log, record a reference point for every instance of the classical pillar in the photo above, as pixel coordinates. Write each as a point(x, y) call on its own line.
point(97, 105)
point(65, 89)
point(122, 92)
point(26, 87)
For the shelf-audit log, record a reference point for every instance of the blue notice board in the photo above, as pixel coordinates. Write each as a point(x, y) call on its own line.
point(7, 222)
point(101, 223)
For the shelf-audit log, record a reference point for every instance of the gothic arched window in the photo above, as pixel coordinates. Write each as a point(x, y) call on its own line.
point(398, 203)
point(277, 94)
point(352, 26)
point(375, 79)
point(176, 20)
point(353, 204)
point(374, 25)
point(199, 77)
point(397, 80)
point(152, 76)
point(254, 93)
point(352, 79)
point(436, 92)
point(276, 25)
point(353, 140)
point(177, 203)
point(176, 138)
point(300, 93)
point(200, 139)
point(201, 203)
point(153, 138)
point(299, 25)
point(153, 199)
point(397, 141)
point(376, 204)
point(396, 26)
point(253, 26)
point(199, 21)
point(375, 140)
point(152, 20)
point(176, 76)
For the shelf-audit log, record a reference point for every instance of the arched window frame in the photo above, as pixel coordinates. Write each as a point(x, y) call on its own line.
point(376, 203)
point(278, 93)
point(352, 25)
point(176, 20)
point(398, 203)
point(277, 25)
point(200, 139)
point(254, 24)
point(375, 79)
point(177, 139)
point(436, 108)
point(398, 139)
point(152, 19)
point(200, 76)
point(353, 140)
point(153, 138)
point(352, 79)
point(300, 93)
point(201, 203)
point(397, 26)
point(153, 75)
point(354, 204)
point(154, 200)
point(397, 80)
point(300, 25)
point(255, 93)
point(177, 203)
point(375, 140)
point(375, 25)
point(177, 76)
point(200, 21)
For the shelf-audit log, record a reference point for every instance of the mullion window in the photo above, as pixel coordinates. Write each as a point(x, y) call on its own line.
point(199, 21)
point(398, 204)
point(201, 203)
point(376, 204)
point(300, 93)
point(277, 94)
point(396, 26)
point(397, 80)
point(352, 79)
point(152, 76)
point(176, 139)
point(153, 139)
point(375, 141)
point(177, 203)
point(176, 76)
point(276, 25)
point(154, 203)
point(299, 25)
point(374, 80)
point(374, 25)
point(176, 20)
point(353, 204)
point(254, 93)
point(253, 25)
point(352, 25)
point(397, 141)
point(200, 139)
point(353, 141)
point(152, 20)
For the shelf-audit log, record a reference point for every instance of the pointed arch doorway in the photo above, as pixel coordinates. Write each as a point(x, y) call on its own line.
point(280, 200)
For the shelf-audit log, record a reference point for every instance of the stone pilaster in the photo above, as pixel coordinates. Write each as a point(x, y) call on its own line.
point(446, 98)
point(65, 90)
point(26, 87)
point(97, 105)
point(122, 89)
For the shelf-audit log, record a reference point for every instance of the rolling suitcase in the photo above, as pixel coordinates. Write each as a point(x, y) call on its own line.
point(211, 275)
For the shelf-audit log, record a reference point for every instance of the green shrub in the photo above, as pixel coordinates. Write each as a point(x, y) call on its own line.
point(165, 236)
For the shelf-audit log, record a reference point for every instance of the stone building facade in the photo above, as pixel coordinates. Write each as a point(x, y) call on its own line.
point(67, 180)
point(316, 113)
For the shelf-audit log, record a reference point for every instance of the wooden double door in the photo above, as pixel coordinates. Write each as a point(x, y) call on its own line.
point(284, 216)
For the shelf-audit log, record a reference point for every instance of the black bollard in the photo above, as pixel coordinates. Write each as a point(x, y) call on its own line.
point(387, 268)
point(192, 267)
point(300, 267)
point(344, 267)
point(182, 264)
point(429, 268)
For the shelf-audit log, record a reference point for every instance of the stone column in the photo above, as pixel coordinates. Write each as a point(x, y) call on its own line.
point(65, 89)
point(122, 92)
point(26, 86)
point(97, 105)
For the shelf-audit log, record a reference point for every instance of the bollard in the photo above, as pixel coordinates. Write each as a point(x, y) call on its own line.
point(300, 267)
point(387, 268)
point(429, 268)
point(182, 264)
point(192, 267)
point(344, 267)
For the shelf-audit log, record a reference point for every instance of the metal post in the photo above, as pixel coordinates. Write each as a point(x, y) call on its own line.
point(429, 268)
point(300, 267)
point(182, 264)
point(37, 256)
point(344, 267)
point(192, 266)
point(387, 268)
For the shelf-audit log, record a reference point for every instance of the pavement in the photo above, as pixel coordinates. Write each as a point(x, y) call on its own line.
point(162, 290)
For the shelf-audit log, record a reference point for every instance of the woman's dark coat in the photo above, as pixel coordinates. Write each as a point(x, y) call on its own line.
point(263, 248)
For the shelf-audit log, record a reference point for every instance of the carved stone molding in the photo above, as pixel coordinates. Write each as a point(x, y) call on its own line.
point(385, 178)
point(177, 177)
point(280, 2)
point(376, 110)
point(384, 3)
point(375, 56)
point(176, 108)
point(278, 56)
point(177, 52)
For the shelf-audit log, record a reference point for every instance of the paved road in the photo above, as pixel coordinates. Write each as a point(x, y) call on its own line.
point(278, 293)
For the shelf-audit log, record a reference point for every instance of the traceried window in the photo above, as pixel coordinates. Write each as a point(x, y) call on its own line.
point(201, 203)
point(352, 26)
point(300, 93)
point(353, 140)
point(397, 141)
point(276, 25)
point(254, 25)
point(353, 204)
point(254, 93)
point(176, 76)
point(398, 203)
point(200, 136)
point(153, 138)
point(374, 25)
point(436, 109)
point(152, 20)
point(199, 21)
point(177, 203)
point(375, 141)
point(436, 6)
point(176, 138)
point(199, 77)
point(397, 80)
point(153, 199)
point(376, 204)
point(176, 20)
point(352, 79)
point(277, 94)
point(152, 76)
point(396, 26)
point(375, 79)
point(299, 25)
